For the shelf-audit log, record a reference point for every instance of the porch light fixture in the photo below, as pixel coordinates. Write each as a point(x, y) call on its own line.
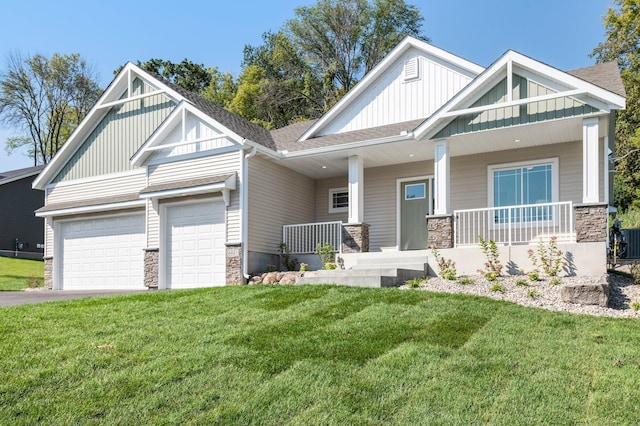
point(324, 167)
point(516, 140)
point(411, 155)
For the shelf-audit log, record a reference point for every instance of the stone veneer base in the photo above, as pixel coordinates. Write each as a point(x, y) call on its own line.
point(234, 264)
point(355, 238)
point(151, 257)
point(591, 222)
point(48, 272)
point(440, 231)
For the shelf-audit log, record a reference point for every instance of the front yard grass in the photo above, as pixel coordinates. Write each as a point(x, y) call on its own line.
point(313, 355)
point(17, 274)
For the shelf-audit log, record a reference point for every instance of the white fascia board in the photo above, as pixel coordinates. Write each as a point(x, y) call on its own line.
point(94, 209)
point(373, 75)
point(115, 89)
point(229, 184)
point(168, 125)
point(466, 95)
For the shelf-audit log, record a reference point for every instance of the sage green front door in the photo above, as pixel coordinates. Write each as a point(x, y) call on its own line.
point(415, 205)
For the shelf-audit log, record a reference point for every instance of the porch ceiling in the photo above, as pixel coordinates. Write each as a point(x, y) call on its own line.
point(335, 163)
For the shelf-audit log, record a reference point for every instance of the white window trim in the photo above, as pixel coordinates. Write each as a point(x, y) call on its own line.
point(555, 180)
point(337, 209)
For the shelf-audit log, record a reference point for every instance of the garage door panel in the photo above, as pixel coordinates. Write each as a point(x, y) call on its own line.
point(196, 235)
point(103, 253)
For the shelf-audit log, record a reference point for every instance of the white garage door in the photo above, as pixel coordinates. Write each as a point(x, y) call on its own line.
point(195, 237)
point(103, 253)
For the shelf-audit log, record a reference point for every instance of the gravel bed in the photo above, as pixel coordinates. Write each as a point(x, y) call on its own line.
point(542, 294)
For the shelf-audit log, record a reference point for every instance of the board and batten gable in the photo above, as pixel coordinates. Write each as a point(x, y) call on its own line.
point(201, 167)
point(397, 97)
point(522, 88)
point(111, 144)
point(194, 129)
point(277, 196)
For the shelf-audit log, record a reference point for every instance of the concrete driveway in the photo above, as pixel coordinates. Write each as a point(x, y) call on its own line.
point(12, 298)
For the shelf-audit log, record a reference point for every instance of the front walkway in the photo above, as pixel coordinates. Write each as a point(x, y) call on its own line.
point(13, 298)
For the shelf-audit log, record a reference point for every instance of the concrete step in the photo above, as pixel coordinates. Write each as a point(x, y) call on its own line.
point(370, 277)
point(417, 266)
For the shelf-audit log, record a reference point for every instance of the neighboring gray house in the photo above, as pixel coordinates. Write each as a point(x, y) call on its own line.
point(20, 230)
point(158, 187)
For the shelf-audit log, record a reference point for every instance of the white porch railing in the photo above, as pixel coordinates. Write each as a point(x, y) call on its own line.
point(303, 238)
point(515, 224)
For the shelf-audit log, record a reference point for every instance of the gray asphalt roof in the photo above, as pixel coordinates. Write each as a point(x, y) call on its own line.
point(89, 203)
point(605, 75)
point(191, 183)
point(13, 174)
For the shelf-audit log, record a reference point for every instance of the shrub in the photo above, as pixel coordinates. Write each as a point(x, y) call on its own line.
point(492, 267)
point(271, 268)
point(521, 283)
point(635, 272)
point(534, 275)
point(466, 281)
point(635, 305)
point(446, 267)
point(548, 257)
point(532, 293)
point(327, 255)
point(415, 282)
point(555, 281)
point(330, 266)
point(285, 258)
point(497, 288)
point(304, 267)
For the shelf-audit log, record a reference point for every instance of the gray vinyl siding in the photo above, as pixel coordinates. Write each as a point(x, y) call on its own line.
point(109, 147)
point(469, 186)
point(322, 199)
point(107, 186)
point(277, 196)
point(17, 220)
point(521, 114)
point(193, 169)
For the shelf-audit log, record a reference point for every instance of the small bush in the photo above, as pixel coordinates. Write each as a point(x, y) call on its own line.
point(522, 283)
point(492, 267)
point(330, 266)
point(466, 281)
point(415, 282)
point(446, 267)
point(327, 255)
point(635, 305)
point(548, 257)
point(271, 268)
point(532, 293)
point(555, 281)
point(497, 288)
point(534, 275)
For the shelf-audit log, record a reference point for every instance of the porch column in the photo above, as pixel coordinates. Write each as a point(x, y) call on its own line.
point(441, 172)
point(590, 162)
point(356, 189)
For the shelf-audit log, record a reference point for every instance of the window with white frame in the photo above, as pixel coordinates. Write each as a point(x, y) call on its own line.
point(338, 200)
point(524, 184)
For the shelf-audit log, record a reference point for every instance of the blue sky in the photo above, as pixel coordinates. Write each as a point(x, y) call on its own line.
point(107, 34)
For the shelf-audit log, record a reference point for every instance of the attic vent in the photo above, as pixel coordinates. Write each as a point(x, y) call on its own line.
point(411, 70)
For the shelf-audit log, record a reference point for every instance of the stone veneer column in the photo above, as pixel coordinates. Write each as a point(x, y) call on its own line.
point(440, 231)
point(48, 272)
point(591, 222)
point(234, 264)
point(355, 238)
point(151, 267)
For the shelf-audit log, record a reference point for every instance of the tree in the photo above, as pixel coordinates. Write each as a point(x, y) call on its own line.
point(221, 89)
point(46, 98)
point(345, 39)
point(622, 44)
point(193, 77)
point(323, 52)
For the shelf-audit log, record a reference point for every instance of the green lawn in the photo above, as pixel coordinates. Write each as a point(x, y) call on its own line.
point(313, 355)
point(17, 274)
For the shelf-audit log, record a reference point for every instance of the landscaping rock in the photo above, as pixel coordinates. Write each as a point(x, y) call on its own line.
point(289, 278)
point(587, 293)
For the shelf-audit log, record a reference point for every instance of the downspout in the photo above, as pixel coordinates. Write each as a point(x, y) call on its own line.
point(244, 201)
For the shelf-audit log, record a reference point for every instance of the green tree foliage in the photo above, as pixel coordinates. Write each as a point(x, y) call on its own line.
point(622, 44)
point(46, 98)
point(323, 52)
point(193, 77)
point(222, 88)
